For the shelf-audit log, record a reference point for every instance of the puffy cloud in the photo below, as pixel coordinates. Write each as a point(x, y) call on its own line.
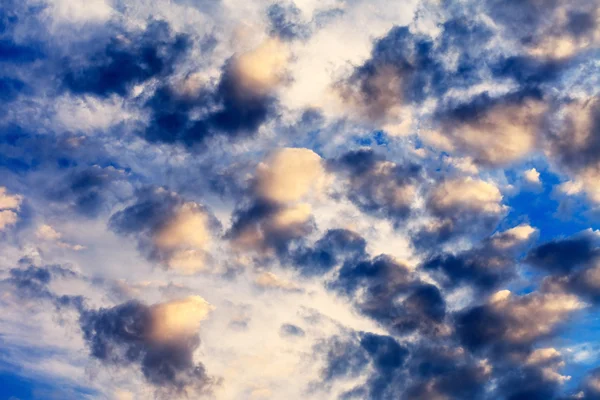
point(492, 131)
point(466, 194)
point(378, 186)
point(507, 320)
point(574, 263)
point(169, 230)
point(289, 174)
point(532, 176)
point(268, 227)
point(441, 373)
point(460, 206)
point(178, 318)
point(261, 69)
point(161, 339)
point(275, 212)
point(384, 87)
point(549, 360)
point(514, 238)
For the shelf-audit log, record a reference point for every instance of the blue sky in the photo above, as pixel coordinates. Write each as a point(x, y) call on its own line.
point(382, 200)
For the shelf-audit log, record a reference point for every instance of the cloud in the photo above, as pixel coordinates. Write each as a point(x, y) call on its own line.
point(286, 22)
point(384, 87)
point(493, 131)
point(574, 143)
point(440, 372)
point(268, 280)
point(126, 60)
point(242, 100)
point(532, 177)
point(87, 191)
point(31, 283)
point(484, 266)
point(161, 339)
point(378, 186)
point(291, 330)
point(574, 265)
point(336, 247)
point(556, 30)
point(9, 207)
point(460, 206)
point(347, 357)
point(391, 294)
point(290, 174)
point(169, 230)
point(277, 209)
point(565, 255)
point(509, 321)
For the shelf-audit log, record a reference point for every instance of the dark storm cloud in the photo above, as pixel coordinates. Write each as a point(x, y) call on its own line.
point(377, 186)
point(335, 247)
point(379, 355)
point(125, 62)
point(121, 336)
point(440, 371)
point(574, 265)
point(476, 268)
point(483, 267)
point(509, 322)
point(228, 109)
point(562, 256)
point(86, 190)
point(392, 295)
point(285, 22)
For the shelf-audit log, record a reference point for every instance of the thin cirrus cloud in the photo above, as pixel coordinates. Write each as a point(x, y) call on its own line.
point(382, 200)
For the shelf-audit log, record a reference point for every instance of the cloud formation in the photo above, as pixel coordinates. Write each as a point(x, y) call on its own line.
point(380, 200)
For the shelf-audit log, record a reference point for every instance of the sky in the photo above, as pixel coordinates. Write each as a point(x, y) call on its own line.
point(337, 199)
